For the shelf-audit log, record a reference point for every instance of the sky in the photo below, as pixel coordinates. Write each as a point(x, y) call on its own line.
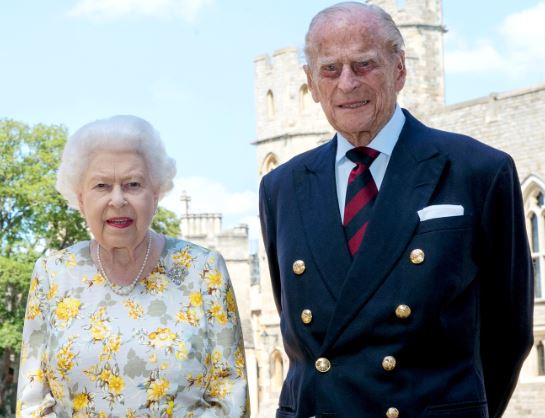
point(187, 67)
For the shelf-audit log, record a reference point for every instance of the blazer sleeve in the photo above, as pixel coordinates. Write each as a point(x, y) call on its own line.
point(506, 288)
point(226, 390)
point(34, 396)
point(268, 231)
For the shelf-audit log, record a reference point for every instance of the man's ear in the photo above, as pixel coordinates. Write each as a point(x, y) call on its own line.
point(310, 83)
point(401, 71)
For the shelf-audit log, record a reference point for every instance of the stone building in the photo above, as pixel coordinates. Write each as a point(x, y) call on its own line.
point(289, 122)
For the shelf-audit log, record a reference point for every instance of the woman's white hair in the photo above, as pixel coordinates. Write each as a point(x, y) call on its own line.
point(120, 133)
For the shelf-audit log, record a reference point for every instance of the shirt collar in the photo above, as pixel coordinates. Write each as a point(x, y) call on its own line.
point(385, 140)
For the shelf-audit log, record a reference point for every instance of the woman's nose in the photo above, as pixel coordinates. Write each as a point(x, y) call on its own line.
point(118, 197)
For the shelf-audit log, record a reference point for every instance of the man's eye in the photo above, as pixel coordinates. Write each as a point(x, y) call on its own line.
point(329, 70)
point(100, 186)
point(361, 67)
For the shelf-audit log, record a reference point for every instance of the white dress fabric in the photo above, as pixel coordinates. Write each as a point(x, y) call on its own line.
point(171, 348)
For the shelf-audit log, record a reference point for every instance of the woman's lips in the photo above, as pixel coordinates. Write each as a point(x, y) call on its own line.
point(120, 222)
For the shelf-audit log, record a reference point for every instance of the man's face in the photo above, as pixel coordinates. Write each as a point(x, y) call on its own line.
point(353, 75)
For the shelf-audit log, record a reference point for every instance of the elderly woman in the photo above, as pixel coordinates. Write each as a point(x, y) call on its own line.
point(131, 323)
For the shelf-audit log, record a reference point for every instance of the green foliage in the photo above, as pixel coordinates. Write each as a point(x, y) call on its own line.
point(166, 222)
point(33, 216)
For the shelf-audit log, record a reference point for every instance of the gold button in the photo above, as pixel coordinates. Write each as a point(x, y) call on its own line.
point(417, 256)
point(392, 413)
point(389, 363)
point(403, 311)
point(306, 316)
point(322, 365)
point(299, 267)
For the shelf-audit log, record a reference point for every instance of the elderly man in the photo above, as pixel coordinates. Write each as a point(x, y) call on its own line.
point(398, 253)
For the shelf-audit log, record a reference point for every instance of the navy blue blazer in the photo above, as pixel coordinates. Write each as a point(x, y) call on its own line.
point(459, 352)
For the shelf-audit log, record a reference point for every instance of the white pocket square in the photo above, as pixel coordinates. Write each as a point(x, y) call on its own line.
point(440, 211)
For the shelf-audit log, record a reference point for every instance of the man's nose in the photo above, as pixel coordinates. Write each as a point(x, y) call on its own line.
point(348, 80)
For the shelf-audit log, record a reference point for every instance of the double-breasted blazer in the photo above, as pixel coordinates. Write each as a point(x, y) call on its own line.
point(431, 318)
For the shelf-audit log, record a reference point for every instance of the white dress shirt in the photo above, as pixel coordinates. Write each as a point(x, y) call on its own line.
point(384, 142)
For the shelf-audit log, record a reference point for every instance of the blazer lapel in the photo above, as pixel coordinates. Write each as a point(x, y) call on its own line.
point(316, 193)
point(412, 175)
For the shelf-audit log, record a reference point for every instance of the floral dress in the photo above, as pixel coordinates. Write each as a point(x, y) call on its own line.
point(171, 348)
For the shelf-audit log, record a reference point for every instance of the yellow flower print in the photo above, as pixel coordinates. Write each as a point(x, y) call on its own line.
point(38, 375)
point(116, 384)
point(130, 414)
point(164, 366)
point(91, 373)
point(195, 299)
point(81, 401)
point(105, 375)
point(189, 316)
point(33, 309)
point(111, 345)
point(152, 358)
point(240, 362)
point(155, 283)
point(197, 380)
point(231, 303)
point(170, 408)
point(99, 330)
point(181, 316)
point(216, 356)
point(183, 258)
point(71, 261)
point(136, 311)
point(182, 351)
point(161, 337)
point(34, 284)
point(57, 390)
point(65, 358)
point(214, 279)
point(96, 280)
point(216, 311)
point(220, 389)
point(98, 314)
point(67, 309)
point(157, 389)
point(101, 414)
point(52, 291)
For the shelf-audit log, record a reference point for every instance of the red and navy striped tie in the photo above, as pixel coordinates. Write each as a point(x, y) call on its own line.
point(361, 194)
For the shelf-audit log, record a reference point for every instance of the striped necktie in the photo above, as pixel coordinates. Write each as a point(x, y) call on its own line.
point(361, 194)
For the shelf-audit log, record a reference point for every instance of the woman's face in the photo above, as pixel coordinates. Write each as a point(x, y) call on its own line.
point(117, 199)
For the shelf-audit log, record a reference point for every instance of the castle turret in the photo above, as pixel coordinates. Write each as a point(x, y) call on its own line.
point(421, 24)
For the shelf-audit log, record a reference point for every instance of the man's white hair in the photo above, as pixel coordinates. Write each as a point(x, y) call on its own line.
point(391, 32)
point(122, 133)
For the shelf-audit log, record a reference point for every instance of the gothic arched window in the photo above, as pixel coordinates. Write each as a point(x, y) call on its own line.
point(540, 359)
point(270, 105)
point(277, 370)
point(534, 207)
point(268, 164)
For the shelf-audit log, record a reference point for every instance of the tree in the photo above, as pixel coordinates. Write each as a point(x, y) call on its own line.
point(166, 222)
point(33, 218)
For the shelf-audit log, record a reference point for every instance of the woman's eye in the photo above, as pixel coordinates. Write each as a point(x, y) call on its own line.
point(133, 185)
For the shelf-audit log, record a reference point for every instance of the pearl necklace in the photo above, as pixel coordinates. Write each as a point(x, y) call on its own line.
point(124, 290)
